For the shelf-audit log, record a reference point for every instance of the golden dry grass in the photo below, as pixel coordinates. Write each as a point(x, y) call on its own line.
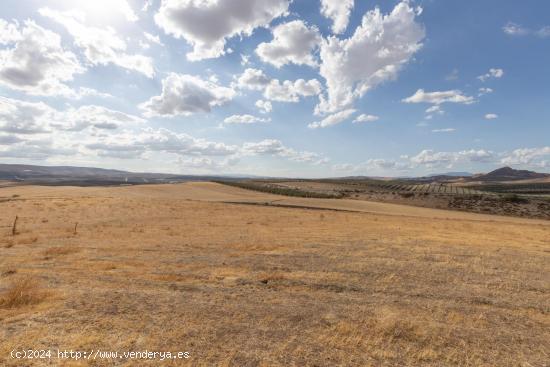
point(248, 285)
point(21, 292)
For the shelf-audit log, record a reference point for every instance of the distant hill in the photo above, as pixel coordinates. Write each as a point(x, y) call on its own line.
point(87, 176)
point(508, 174)
point(453, 174)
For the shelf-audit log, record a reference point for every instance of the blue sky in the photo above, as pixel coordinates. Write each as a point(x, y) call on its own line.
point(276, 87)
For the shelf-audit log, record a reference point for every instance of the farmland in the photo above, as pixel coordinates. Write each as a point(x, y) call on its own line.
point(528, 202)
point(245, 278)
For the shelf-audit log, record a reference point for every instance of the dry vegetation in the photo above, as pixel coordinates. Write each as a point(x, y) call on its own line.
point(525, 200)
point(250, 285)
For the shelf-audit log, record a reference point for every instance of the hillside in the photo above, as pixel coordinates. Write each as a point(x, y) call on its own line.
point(86, 176)
point(509, 174)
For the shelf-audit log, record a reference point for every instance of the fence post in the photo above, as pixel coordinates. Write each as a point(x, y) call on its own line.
point(14, 228)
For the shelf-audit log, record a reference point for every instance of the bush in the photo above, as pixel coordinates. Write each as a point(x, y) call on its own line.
point(513, 198)
point(22, 292)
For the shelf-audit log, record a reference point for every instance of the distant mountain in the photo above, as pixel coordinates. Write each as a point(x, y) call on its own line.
point(453, 174)
point(508, 174)
point(84, 176)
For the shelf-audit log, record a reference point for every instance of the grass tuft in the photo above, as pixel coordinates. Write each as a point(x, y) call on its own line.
point(22, 292)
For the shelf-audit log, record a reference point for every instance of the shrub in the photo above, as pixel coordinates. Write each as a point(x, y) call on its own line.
point(22, 292)
point(513, 198)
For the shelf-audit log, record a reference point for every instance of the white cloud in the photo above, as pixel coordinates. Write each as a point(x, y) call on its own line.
point(122, 6)
point(146, 5)
point(291, 91)
point(186, 94)
point(135, 145)
point(153, 38)
point(293, 42)
point(275, 147)
point(333, 119)
point(36, 63)
point(365, 118)
point(36, 149)
point(274, 90)
point(264, 106)
point(98, 117)
point(339, 11)
point(491, 116)
point(534, 157)
point(244, 119)
point(207, 24)
point(434, 110)
point(431, 158)
point(245, 59)
point(514, 29)
point(446, 130)
point(450, 96)
point(100, 46)
point(207, 164)
point(9, 32)
point(21, 117)
point(376, 52)
point(254, 79)
point(484, 91)
point(493, 73)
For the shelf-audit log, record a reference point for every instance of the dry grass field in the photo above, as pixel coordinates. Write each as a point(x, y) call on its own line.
point(192, 267)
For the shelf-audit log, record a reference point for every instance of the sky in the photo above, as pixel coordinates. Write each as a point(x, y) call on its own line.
point(303, 88)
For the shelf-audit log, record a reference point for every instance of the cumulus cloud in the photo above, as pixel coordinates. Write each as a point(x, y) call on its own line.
point(206, 25)
point(184, 94)
point(135, 145)
point(431, 158)
point(293, 42)
point(207, 164)
point(375, 53)
point(274, 90)
point(98, 117)
point(254, 79)
point(491, 116)
point(291, 91)
point(333, 119)
point(244, 119)
point(100, 46)
point(493, 73)
point(339, 11)
point(437, 98)
point(21, 117)
point(34, 61)
point(36, 149)
point(534, 157)
point(365, 118)
point(275, 147)
point(264, 106)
